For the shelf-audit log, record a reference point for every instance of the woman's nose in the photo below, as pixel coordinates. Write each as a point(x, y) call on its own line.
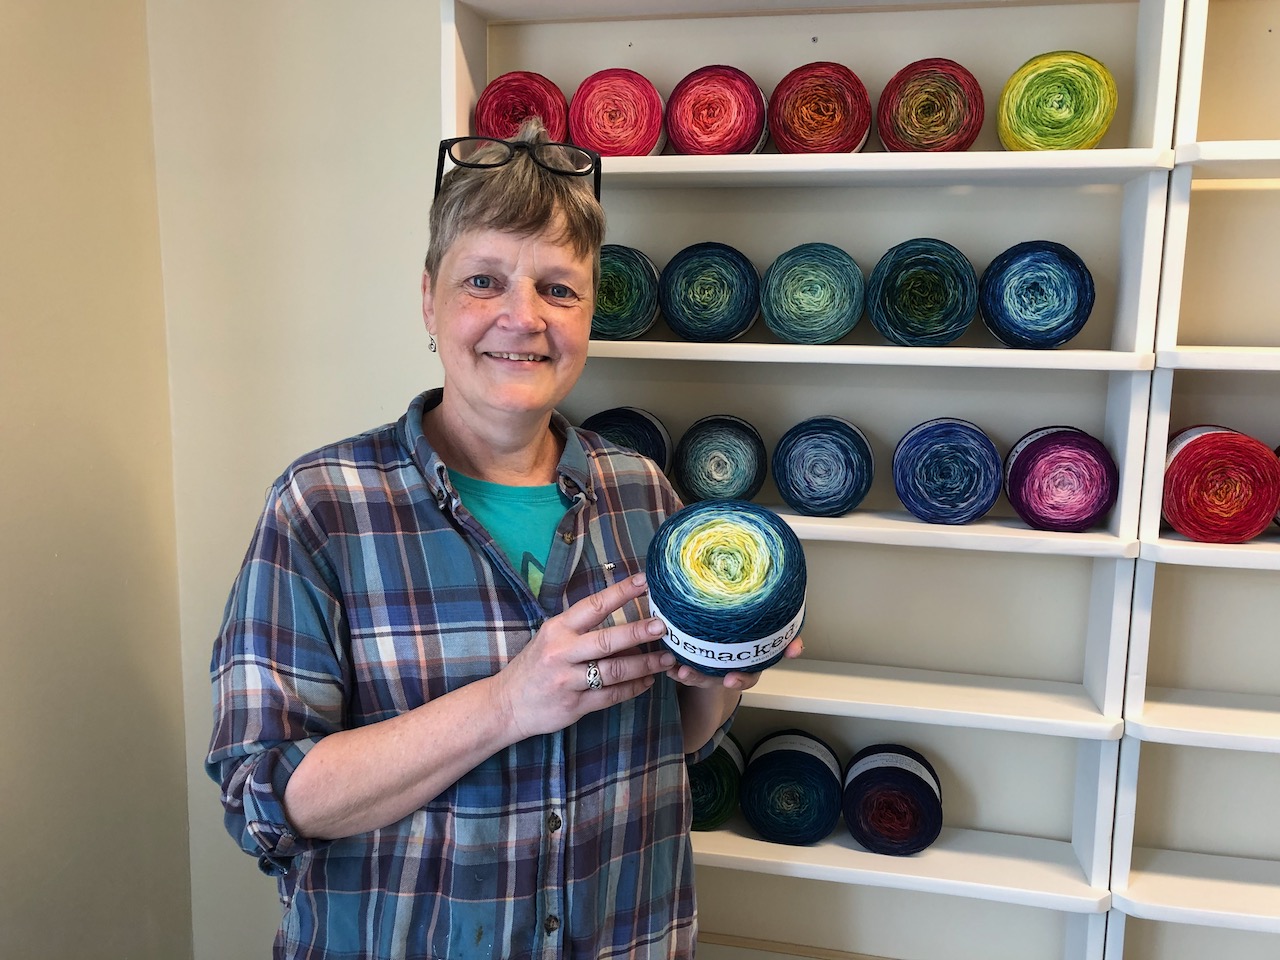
point(524, 308)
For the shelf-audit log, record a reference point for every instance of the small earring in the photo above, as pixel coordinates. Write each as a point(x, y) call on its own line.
point(432, 345)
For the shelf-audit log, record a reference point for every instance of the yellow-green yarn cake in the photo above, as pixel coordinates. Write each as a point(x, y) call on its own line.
point(1062, 100)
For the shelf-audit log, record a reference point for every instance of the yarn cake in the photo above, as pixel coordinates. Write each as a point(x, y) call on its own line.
point(728, 579)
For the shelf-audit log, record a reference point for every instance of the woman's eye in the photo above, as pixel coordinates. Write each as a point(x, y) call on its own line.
point(560, 292)
point(481, 282)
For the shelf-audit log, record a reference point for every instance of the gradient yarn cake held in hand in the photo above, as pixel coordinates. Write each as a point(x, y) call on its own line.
point(820, 107)
point(507, 101)
point(617, 113)
point(930, 105)
point(627, 297)
point(947, 471)
point(892, 800)
point(717, 110)
point(1036, 294)
point(714, 784)
point(1057, 101)
point(709, 292)
point(720, 457)
point(823, 467)
point(1220, 485)
point(728, 579)
point(633, 429)
point(1060, 478)
point(812, 293)
point(790, 792)
point(922, 293)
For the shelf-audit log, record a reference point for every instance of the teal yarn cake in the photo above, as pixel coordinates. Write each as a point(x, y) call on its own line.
point(791, 791)
point(922, 293)
point(720, 457)
point(709, 293)
point(627, 298)
point(713, 784)
point(728, 578)
point(812, 293)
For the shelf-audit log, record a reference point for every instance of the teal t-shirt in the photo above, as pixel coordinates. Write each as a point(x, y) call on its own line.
point(522, 520)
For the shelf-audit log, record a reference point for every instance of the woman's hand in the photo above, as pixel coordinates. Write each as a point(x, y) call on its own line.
point(734, 680)
point(550, 684)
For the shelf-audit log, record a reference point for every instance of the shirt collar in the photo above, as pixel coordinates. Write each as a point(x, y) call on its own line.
point(572, 471)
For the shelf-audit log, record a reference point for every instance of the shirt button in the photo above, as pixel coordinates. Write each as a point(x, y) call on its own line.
point(553, 822)
point(567, 537)
point(551, 924)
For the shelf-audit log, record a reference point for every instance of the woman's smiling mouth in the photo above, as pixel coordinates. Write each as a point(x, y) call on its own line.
point(525, 357)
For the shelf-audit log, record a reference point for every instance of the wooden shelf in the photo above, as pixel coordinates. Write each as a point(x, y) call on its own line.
point(998, 535)
point(1231, 159)
point(991, 358)
point(1205, 718)
point(1003, 168)
point(930, 696)
point(1197, 888)
point(522, 11)
point(1030, 871)
point(1243, 359)
point(1260, 554)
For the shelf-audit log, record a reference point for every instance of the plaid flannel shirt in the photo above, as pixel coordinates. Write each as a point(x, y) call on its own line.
point(368, 589)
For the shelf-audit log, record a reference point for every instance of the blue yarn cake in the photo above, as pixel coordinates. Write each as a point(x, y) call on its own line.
point(947, 471)
point(709, 292)
point(1036, 294)
point(823, 466)
point(633, 429)
point(790, 792)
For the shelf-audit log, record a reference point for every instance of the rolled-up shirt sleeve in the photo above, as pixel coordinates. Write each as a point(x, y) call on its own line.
point(708, 748)
point(279, 675)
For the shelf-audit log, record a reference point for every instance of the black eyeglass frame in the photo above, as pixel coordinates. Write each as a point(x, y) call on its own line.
point(513, 147)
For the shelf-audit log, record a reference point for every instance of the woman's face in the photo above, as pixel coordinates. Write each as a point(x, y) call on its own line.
point(512, 317)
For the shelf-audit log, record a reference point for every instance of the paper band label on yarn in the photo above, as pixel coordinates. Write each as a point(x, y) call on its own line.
point(791, 741)
point(878, 760)
point(731, 748)
point(1179, 443)
point(728, 656)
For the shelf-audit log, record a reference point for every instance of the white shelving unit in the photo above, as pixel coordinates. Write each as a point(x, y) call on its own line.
point(997, 651)
point(1196, 866)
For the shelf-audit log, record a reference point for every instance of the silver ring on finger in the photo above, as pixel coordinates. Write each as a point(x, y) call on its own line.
point(594, 680)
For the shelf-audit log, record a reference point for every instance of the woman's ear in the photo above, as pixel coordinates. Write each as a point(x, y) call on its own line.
point(428, 303)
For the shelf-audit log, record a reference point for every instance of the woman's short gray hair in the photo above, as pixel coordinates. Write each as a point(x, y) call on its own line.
point(519, 197)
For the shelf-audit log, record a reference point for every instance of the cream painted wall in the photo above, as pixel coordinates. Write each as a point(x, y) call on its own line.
point(94, 862)
point(296, 146)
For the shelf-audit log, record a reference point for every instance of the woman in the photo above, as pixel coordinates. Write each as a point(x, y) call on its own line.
point(441, 717)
